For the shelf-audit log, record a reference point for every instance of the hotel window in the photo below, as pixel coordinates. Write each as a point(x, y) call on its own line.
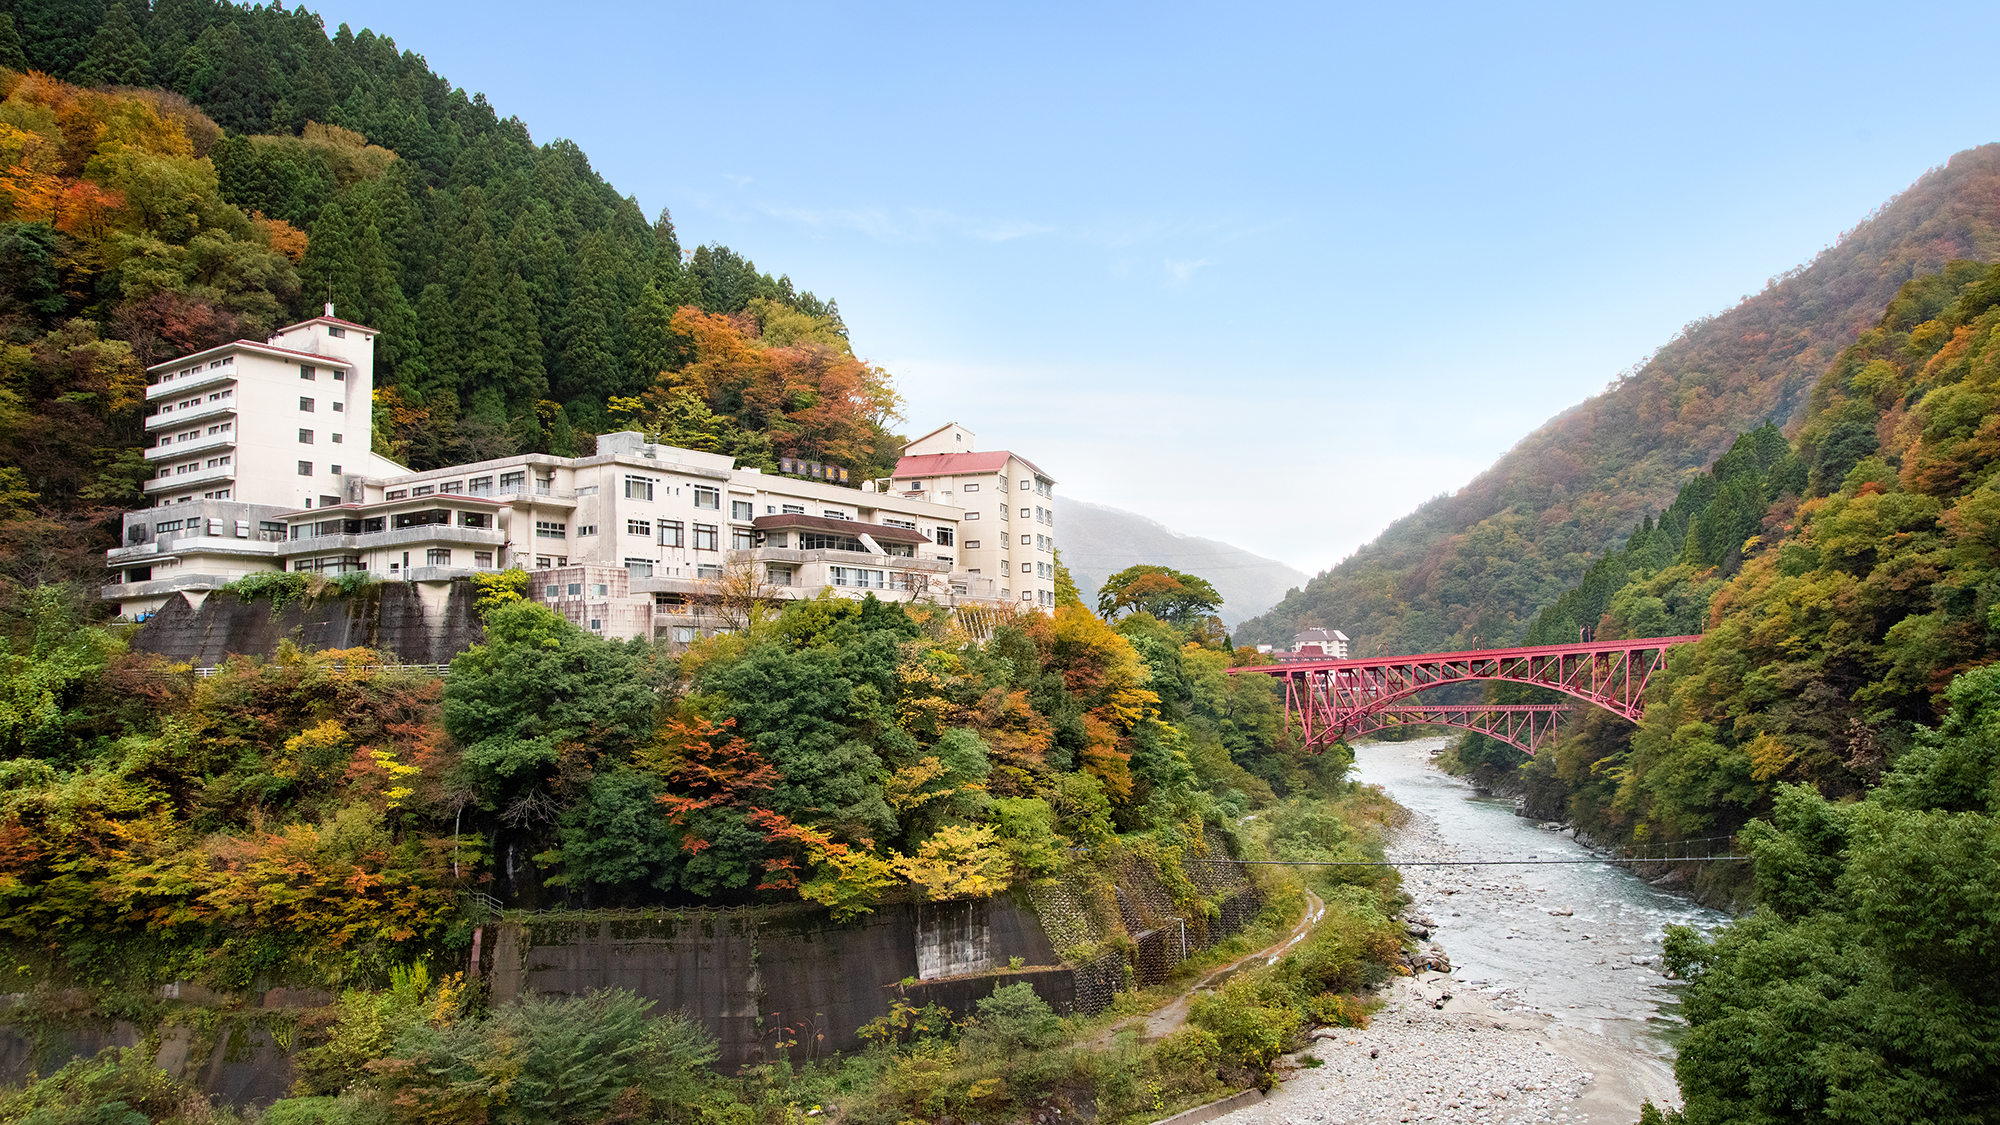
point(1027, 513)
point(742, 539)
point(968, 488)
point(705, 538)
point(638, 527)
point(575, 590)
point(910, 525)
point(423, 490)
point(551, 591)
point(334, 469)
point(336, 333)
point(600, 590)
point(597, 625)
point(706, 497)
point(742, 510)
point(437, 556)
point(222, 428)
point(975, 515)
point(795, 509)
point(684, 634)
point(306, 372)
point(373, 524)
point(638, 488)
point(708, 570)
point(339, 376)
point(1025, 486)
point(452, 487)
point(941, 536)
point(774, 539)
point(821, 541)
point(305, 404)
point(546, 530)
point(673, 533)
point(831, 514)
point(396, 494)
point(482, 558)
point(639, 568)
point(900, 550)
point(513, 482)
point(584, 529)
point(476, 519)
point(1027, 568)
point(305, 468)
point(1027, 539)
point(778, 575)
point(305, 437)
point(480, 486)
point(972, 544)
point(857, 577)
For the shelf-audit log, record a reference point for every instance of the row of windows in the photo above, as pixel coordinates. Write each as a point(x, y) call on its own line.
point(306, 438)
point(309, 374)
point(225, 361)
point(306, 469)
point(198, 466)
point(222, 395)
point(306, 405)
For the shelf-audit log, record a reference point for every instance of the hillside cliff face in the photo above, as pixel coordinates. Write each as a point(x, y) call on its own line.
point(1473, 567)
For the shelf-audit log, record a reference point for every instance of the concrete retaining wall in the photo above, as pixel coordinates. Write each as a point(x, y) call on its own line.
point(404, 618)
point(754, 977)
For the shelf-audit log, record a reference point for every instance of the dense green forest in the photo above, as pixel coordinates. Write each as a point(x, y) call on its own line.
point(1478, 564)
point(193, 172)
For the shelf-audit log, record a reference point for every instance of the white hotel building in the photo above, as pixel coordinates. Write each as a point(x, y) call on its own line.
point(265, 465)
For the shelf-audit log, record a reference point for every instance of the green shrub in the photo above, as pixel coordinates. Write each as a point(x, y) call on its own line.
point(1253, 1020)
point(117, 1086)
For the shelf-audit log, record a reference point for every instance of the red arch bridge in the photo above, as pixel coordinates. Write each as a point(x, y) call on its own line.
point(1335, 699)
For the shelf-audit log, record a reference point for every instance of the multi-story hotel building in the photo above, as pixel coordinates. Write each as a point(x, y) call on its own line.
point(1009, 526)
point(638, 539)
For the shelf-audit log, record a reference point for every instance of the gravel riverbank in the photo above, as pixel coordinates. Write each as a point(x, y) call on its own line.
point(1454, 1047)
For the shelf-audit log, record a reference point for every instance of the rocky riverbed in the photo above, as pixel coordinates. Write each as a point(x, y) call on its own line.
point(1549, 1006)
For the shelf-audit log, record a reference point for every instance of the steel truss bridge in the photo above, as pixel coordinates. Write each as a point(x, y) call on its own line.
point(1336, 699)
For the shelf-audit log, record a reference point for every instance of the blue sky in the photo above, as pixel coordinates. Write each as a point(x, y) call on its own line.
point(1271, 274)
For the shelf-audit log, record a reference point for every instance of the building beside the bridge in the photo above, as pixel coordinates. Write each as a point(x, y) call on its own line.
point(265, 466)
point(1323, 644)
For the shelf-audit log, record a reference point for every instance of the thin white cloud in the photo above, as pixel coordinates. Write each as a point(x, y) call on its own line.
point(1178, 273)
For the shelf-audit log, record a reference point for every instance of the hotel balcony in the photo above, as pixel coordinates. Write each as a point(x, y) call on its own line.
point(202, 412)
point(198, 380)
point(195, 446)
point(217, 475)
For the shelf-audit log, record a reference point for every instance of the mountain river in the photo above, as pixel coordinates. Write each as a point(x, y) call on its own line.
point(1555, 1009)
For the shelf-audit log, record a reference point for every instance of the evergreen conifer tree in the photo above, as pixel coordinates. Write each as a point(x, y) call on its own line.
point(118, 55)
point(12, 56)
point(589, 361)
point(563, 441)
point(56, 34)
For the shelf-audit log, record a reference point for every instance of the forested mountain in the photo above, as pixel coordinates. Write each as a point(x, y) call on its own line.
point(192, 172)
point(1477, 565)
point(1098, 541)
point(1838, 717)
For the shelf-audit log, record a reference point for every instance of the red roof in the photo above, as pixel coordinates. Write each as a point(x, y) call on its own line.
point(325, 320)
point(953, 464)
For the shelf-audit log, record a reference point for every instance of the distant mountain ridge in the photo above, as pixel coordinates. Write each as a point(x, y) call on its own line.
point(1474, 566)
point(1099, 541)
